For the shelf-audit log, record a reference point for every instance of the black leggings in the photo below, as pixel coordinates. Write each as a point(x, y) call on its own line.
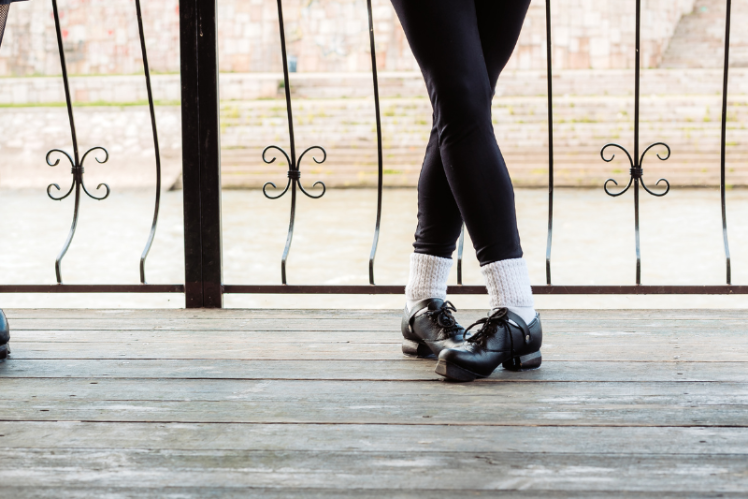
point(461, 47)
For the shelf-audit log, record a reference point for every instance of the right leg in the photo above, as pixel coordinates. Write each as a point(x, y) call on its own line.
point(428, 325)
point(439, 225)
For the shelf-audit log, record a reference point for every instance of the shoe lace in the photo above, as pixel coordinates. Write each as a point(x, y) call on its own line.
point(498, 316)
point(444, 317)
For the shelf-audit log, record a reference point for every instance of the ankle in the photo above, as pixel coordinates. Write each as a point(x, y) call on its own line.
point(508, 285)
point(527, 314)
point(427, 278)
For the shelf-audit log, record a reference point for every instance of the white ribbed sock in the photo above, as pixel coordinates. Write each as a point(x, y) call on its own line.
point(508, 283)
point(427, 279)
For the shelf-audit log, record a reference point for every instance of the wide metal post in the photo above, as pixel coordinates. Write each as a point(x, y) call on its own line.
point(201, 154)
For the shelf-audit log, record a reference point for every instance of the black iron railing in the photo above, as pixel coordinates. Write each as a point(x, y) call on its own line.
point(201, 175)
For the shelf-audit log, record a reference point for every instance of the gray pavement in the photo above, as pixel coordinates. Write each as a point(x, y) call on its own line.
point(593, 244)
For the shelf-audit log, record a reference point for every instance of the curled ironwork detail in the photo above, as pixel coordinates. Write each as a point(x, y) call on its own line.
point(77, 171)
point(294, 163)
point(636, 177)
point(294, 174)
point(76, 161)
point(636, 172)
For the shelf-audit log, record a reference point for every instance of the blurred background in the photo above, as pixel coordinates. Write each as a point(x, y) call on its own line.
point(330, 64)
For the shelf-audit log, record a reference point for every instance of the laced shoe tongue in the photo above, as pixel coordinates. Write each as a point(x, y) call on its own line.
point(495, 315)
point(441, 311)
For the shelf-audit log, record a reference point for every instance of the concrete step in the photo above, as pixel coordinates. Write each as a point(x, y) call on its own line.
point(698, 41)
point(253, 86)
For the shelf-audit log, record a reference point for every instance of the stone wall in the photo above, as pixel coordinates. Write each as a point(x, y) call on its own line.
point(101, 36)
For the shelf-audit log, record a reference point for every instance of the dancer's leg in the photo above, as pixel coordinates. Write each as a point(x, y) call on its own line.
point(439, 218)
point(445, 40)
point(439, 224)
point(499, 25)
point(461, 49)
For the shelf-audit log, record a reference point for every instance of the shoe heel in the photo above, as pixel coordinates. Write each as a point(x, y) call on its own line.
point(453, 372)
point(524, 362)
point(4, 351)
point(413, 348)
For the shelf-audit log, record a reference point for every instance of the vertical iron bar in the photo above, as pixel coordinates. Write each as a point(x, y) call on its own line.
point(210, 155)
point(146, 67)
point(66, 83)
point(193, 271)
point(636, 230)
point(74, 135)
point(636, 139)
point(292, 166)
point(287, 87)
point(549, 73)
point(636, 162)
point(636, 85)
point(380, 167)
point(723, 143)
point(460, 249)
point(201, 153)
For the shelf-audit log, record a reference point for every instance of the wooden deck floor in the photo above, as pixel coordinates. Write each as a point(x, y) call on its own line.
point(320, 404)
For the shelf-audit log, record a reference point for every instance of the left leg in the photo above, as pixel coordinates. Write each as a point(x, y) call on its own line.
point(511, 334)
point(499, 25)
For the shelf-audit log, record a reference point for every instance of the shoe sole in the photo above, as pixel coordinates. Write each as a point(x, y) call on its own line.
point(4, 351)
point(454, 372)
point(524, 363)
point(416, 349)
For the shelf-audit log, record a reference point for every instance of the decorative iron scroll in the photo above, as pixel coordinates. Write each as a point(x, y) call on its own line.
point(75, 161)
point(294, 173)
point(636, 172)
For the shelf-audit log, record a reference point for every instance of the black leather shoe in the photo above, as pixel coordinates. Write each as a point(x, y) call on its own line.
point(504, 339)
point(4, 336)
point(429, 328)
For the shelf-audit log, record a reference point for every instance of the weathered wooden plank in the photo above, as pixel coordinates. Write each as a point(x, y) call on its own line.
point(381, 402)
point(342, 470)
point(167, 337)
point(226, 491)
point(178, 313)
point(361, 324)
point(397, 369)
point(322, 328)
point(321, 324)
point(561, 314)
point(569, 347)
point(374, 438)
